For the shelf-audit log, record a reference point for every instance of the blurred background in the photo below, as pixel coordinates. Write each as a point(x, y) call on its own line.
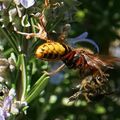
point(101, 19)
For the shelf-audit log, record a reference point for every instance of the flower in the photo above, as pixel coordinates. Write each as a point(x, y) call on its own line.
point(7, 102)
point(2, 6)
point(2, 114)
point(6, 67)
point(10, 106)
point(27, 3)
point(83, 38)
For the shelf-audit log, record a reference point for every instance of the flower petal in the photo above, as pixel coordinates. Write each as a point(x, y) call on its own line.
point(2, 6)
point(2, 117)
point(27, 3)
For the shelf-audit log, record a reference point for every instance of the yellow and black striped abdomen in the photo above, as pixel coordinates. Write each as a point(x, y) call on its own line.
point(52, 51)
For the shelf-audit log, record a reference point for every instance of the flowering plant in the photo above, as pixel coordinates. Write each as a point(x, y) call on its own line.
point(24, 15)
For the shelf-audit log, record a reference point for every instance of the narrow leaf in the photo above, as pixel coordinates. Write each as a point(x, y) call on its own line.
point(24, 77)
point(37, 88)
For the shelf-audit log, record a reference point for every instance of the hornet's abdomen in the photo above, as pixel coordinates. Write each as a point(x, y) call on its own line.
point(52, 51)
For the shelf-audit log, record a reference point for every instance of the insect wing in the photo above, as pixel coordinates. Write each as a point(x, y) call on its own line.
point(106, 61)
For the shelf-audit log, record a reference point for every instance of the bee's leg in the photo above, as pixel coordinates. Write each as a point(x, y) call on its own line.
point(100, 80)
point(97, 69)
point(83, 86)
point(86, 97)
point(74, 97)
point(55, 71)
point(100, 72)
point(86, 83)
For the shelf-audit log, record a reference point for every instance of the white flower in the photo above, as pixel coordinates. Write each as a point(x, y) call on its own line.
point(27, 3)
point(2, 7)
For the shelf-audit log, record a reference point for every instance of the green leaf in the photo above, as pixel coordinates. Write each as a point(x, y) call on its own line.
point(11, 39)
point(24, 76)
point(37, 88)
point(21, 78)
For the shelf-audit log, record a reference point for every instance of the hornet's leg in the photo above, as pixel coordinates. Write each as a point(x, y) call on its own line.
point(55, 71)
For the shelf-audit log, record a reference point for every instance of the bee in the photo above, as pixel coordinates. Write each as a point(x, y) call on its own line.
point(91, 90)
point(97, 96)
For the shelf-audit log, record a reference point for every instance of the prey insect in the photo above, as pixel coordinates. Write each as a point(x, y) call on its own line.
point(91, 90)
